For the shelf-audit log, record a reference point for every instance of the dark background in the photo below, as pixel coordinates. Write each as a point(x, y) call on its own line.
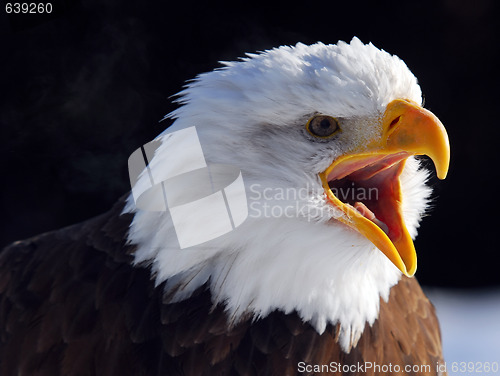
point(82, 88)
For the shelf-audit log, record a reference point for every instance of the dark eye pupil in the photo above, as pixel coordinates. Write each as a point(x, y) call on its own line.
point(325, 124)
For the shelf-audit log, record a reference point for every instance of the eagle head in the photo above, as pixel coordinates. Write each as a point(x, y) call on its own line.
point(326, 139)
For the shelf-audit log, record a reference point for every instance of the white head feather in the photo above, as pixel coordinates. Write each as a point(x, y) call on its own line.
point(251, 114)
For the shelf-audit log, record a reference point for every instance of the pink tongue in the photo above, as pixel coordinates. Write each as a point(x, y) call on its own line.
point(368, 214)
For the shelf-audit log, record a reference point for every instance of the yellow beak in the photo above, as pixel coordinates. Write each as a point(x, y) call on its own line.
point(407, 129)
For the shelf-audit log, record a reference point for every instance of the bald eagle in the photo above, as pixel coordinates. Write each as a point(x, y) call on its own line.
point(333, 134)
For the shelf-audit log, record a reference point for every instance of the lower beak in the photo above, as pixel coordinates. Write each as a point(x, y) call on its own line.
point(407, 130)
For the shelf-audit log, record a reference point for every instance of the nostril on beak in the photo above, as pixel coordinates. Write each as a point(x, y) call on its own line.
point(394, 122)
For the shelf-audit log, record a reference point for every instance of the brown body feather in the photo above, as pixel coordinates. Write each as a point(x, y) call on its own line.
point(72, 304)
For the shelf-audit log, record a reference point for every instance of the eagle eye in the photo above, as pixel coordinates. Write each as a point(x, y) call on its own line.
point(322, 126)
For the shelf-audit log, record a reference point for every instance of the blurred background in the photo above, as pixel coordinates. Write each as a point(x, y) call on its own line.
point(85, 86)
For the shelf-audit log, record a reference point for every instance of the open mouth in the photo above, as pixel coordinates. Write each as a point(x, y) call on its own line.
point(369, 186)
point(367, 190)
point(365, 183)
